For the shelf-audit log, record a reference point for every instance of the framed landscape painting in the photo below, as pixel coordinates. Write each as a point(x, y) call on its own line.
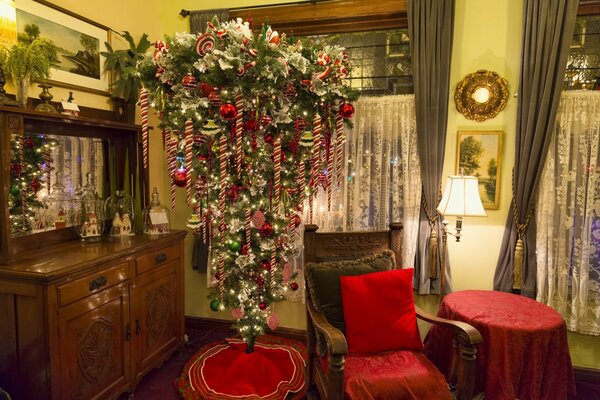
point(479, 153)
point(79, 42)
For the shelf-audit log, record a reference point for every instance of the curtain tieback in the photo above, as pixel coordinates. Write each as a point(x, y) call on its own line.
point(433, 239)
point(519, 254)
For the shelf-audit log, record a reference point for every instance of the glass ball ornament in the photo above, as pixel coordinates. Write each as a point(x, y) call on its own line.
point(262, 305)
point(215, 304)
point(235, 246)
point(294, 286)
point(180, 177)
point(228, 111)
point(346, 110)
point(266, 229)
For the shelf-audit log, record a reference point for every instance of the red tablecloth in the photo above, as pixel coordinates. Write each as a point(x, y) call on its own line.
point(524, 354)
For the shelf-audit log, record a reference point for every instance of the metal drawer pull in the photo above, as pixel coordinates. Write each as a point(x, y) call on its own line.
point(162, 257)
point(138, 326)
point(127, 332)
point(98, 283)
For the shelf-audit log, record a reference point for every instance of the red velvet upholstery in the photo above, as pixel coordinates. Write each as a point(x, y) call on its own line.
point(379, 311)
point(401, 374)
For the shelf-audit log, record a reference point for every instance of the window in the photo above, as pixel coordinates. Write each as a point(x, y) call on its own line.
point(380, 60)
point(583, 64)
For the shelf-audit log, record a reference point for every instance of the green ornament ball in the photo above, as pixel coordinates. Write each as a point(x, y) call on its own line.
point(235, 246)
point(15, 191)
point(215, 304)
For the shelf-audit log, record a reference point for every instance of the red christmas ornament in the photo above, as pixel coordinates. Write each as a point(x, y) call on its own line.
point(266, 230)
point(189, 81)
point(35, 185)
point(215, 99)
point(269, 139)
point(290, 91)
point(251, 125)
point(266, 120)
point(265, 264)
point(218, 276)
point(300, 124)
point(179, 177)
point(228, 111)
point(15, 169)
point(245, 249)
point(29, 143)
point(346, 110)
point(260, 281)
point(258, 218)
point(206, 89)
point(233, 193)
point(296, 220)
point(262, 305)
point(294, 286)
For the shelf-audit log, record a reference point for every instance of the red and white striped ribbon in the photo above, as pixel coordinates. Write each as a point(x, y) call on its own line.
point(301, 184)
point(248, 228)
point(172, 165)
point(329, 174)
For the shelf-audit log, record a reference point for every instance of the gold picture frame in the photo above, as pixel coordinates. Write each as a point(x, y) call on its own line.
point(481, 95)
point(479, 153)
point(79, 41)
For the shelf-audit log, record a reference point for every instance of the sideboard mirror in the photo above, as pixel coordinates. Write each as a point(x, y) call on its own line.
point(47, 159)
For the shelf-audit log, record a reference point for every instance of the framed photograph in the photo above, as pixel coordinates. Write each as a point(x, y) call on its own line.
point(398, 44)
point(479, 153)
point(79, 42)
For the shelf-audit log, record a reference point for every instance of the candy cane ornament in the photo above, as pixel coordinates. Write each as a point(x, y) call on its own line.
point(189, 141)
point(239, 119)
point(315, 162)
point(277, 173)
point(301, 184)
point(145, 128)
point(172, 165)
point(223, 179)
point(339, 145)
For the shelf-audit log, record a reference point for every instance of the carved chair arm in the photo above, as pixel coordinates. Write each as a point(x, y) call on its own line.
point(467, 334)
point(336, 342)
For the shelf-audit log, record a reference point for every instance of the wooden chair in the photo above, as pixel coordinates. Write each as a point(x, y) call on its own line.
point(327, 373)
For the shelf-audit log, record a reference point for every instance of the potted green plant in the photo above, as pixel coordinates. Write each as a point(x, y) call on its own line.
point(28, 62)
point(122, 63)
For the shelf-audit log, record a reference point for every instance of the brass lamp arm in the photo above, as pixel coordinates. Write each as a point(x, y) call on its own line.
point(457, 228)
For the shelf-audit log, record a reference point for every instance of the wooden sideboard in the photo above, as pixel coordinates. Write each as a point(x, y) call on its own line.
point(87, 321)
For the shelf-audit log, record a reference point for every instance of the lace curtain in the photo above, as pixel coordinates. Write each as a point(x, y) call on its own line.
point(568, 215)
point(382, 182)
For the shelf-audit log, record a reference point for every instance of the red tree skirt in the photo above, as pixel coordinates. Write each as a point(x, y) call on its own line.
point(223, 370)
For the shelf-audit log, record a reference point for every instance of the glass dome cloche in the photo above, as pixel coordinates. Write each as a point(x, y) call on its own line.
point(90, 214)
point(118, 211)
point(156, 216)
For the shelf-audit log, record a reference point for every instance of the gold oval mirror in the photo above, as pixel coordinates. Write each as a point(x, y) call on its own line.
point(481, 95)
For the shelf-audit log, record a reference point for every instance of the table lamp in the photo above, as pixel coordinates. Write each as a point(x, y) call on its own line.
point(461, 199)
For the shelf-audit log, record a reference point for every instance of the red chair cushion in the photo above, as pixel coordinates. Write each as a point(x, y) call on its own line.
point(393, 375)
point(379, 312)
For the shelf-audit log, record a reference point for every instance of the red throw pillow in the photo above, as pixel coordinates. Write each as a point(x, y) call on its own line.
point(379, 311)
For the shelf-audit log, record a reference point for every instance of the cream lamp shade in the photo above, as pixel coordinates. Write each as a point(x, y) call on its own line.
point(8, 23)
point(461, 197)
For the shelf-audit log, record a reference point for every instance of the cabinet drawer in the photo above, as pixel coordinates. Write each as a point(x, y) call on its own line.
point(157, 257)
point(80, 288)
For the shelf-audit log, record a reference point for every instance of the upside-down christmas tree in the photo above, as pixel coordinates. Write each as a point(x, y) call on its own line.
point(252, 125)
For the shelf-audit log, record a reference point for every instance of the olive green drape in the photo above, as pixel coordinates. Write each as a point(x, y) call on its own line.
point(547, 32)
point(199, 18)
point(431, 27)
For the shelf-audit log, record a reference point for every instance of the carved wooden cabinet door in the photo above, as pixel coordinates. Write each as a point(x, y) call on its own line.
point(94, 345)
point(155, 324)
